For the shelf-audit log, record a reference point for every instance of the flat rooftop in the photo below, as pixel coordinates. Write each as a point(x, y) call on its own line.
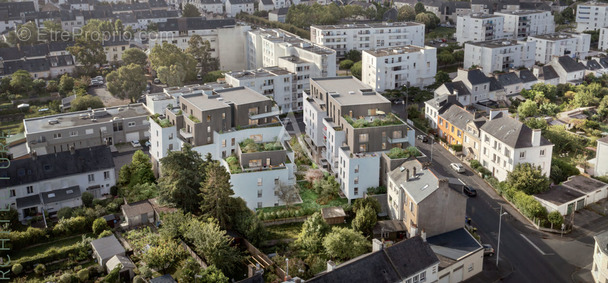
point(553, 36)
point(281, 36)
point(368, 25)
point(221, 98)
point(392, 51)
point(520, 12)
point(348, 91)
point(559, 195)
point(294, 59)
point(82, 118)
point(482, 16)
point(584, 184)
point(498, 43)
point(259, 73)
point(600, 4)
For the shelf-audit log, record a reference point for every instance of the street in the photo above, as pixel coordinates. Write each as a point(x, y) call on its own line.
point(521, 248)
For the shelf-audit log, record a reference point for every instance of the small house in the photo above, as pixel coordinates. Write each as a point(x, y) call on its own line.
point(105, 248)
point(167, 278)
point(137, 214)
point(333, 215)
point(127, 267)
point(393, 230)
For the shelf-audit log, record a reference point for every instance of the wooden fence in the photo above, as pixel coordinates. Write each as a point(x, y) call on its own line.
point(285, 220)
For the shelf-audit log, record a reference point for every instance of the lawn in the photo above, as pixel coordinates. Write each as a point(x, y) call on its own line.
point(285, 231)
point(30, 251)
point(309, 201)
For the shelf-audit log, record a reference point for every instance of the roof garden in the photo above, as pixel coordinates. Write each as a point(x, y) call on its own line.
point(374, 121)
point(250, 146)
point(161, 120)
point(399, 153)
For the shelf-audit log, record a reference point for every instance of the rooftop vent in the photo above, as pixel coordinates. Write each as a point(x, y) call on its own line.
point(69, 192)
point(51, 195)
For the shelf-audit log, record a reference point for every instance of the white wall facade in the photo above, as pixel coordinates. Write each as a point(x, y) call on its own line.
point(392, 68)
point(599, 271)
point(520, 24)
point(591, 16)
point(499, 55)
point(479, 27)
point(358, 173)
point(572, 45)
point(601, 157)
point(276, 86)
point(313, 119)
point(603, 41)
point(233, 9)
point(470, 265)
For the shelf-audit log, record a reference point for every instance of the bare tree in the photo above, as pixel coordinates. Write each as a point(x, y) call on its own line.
point(313, 175)
point(286, 193)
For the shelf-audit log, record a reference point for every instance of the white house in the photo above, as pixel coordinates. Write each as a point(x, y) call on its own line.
point(233, 7)
point(436, 106)
point(568, 70)
point(600, 162)
point(573, 194)
point(591, 16)
point(599, 271)
point(506, 142)
point(524, 23)
point(368, 36)
point(461, 255)
point(546, 74)
point(560, 44)
point(499, 55)
point(603, 40)
point(210, 6)
point(273, 82)
point(47, 183)
point(393, 67)
point(479, 27)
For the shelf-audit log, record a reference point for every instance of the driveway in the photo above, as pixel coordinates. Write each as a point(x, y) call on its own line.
point(106, 97)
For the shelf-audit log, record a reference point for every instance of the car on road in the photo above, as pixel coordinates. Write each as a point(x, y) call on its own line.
point(95, 83)
point(458, 167)
point(147, 144)
point(136, 144)
point(443, 45)
point(423, 138)
point(488, 250)
point(98, 78)
point(469, 191)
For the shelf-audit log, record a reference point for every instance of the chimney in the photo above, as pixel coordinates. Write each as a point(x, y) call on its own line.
point(535, 137)
point(414, 174)
point(34, 155)
point(456, 92)
point(407, 175)
point(423, 235)
point(376, 246)
point(72, 150)
point(330, 265)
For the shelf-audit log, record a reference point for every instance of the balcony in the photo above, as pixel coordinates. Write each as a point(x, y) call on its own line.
point(397, 140)
point(185, 134)
point(274, 111)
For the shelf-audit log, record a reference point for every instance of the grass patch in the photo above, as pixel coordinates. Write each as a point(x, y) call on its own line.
point(441, 32)
point(309, 202)
point(26, 252)
point(285, 231)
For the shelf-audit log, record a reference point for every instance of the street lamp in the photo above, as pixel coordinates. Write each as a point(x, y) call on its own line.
point(499, 226)
point(287, 263)
point(432, 143)
point(407, 94)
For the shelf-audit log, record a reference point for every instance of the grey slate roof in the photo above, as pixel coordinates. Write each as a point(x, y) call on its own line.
point(534, 6)
point(593, 65)
point(61, 194)
point(584, 184)
point(604, 62)
point(494, 84)
point(458, 116)
point(267, 2)
point(527, 76)
point(508, 79)
point(30, 65)
point(107, 247)
point(137, 208)
point(13, 10)
point(10, 53)
point(442, 103)
point(28, 201)
point(37, 50)
point(67, 101)
point(569, 64)
point(419, 188)
point(548, 73)
point(458, 86)
point(392, 264)
point(476, 77)
point(559, 195)
point(602, 241)
point(511, 132)
point(455, 244)
point(183, 24)
point(280, 11)
point(234, 2)
point(56, 165)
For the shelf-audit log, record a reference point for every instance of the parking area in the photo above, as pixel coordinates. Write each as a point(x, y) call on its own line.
point(106, 97)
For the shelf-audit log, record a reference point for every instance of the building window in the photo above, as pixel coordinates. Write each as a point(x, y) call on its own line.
point(522, 154)
point(259, 193)
point(208, 118)
point(276, 181)
point(131, 124)
point(356, 191)
point(363, 137)
point(259, 204)
point(106, 175)
point(73, 133)
point(357, 169)
point(12, 193)
point(223, 143)
point(30, 189)
point(363, 147)
point(357, 180)
point(91, 178)
point(57, 135)
point(423, 276)
point(259, 181)
point(232, 142)
point(542, 152)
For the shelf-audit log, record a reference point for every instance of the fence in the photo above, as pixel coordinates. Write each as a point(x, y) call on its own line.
point(285, 221)
point(198, 259)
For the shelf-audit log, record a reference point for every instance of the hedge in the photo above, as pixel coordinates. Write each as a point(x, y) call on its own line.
point(78, 251)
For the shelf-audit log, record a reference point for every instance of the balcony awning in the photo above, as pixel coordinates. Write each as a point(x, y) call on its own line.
point(265, 115)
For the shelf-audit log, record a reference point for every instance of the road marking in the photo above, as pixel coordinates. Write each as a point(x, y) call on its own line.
point(537, 248)
point(461, 182)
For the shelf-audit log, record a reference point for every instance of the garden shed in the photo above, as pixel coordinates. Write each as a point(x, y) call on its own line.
point(333, 215)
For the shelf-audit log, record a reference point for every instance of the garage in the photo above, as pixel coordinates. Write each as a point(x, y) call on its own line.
point(132, 137)
point(457, 275)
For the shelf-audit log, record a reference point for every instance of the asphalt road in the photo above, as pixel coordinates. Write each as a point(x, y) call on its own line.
point(530, 263)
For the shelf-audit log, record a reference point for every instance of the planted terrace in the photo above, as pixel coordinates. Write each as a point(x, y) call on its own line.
point(374, 121)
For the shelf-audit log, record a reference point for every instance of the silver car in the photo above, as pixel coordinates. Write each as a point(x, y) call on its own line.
point(458, 167)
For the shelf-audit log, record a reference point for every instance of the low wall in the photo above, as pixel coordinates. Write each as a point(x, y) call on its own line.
point(285, 220)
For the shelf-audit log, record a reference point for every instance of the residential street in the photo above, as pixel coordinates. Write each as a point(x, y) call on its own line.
point(530, 263)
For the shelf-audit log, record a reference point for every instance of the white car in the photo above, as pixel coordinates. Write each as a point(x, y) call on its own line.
point(98, 78)
point(135, 144)
point(458, 167)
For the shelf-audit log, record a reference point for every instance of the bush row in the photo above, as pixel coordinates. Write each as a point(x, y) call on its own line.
point(79, 251)
point(285, 213)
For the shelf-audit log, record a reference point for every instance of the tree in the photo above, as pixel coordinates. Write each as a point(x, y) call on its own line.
point(66, 84)
point(429, 19)
point(87, 199)
point(286, 193)
point(353, 55)
point(161, 255)
point(100, 225)
point(11, 215)
point(441, 77)
point(459, 55)
point(528, 108)
point(445, 57)
point(64, 212)
point(212, 76)
point(365, 220)
point(141, 191)
point(88, 52)
point(114, 275)
point(346, 64)
point(355, 70)
point(25, 34)
point(361, 203)
point(556, 219)
point(344, 243)
point(215, 193)
point(201, 51)
point(51, 30)
point(312, 233)
point(419, 8)
point(172, 76)
point(86, 101)
point(169, 55)
point(21, 82)
point(180, 181)
point(190, 10)
point(244, 221)
point(119, 28)
point(135, 56)
point(528, 179)
point(407, 13)
point(127, 82)
point(212, 243)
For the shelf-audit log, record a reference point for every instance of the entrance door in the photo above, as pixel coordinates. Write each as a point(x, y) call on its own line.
point(580, 204)
point(570, 208)
point(144, 218)
point(109, 140)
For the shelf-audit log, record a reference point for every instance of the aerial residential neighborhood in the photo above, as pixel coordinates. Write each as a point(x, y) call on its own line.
point(298, 141)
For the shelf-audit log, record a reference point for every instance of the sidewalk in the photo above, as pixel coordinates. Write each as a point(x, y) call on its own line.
point(491, 273)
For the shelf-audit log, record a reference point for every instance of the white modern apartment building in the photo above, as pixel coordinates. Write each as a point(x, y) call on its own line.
point(273, 82)
point(233, 7)
point(348, 126)
point(560, 44)
point(479, 27)
point(603, 41)
point(217, 122)
point(506, 142)
point(209, 6)
point(47, 183)
point(599, 271)
point(499, 55)
point(225, 36)
point(346, 37)
point(268, 47)
point(523, 23)
point(393, 67)
point(591, 16)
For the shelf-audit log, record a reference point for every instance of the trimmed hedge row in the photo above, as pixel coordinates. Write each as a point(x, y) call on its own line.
point(79, 251)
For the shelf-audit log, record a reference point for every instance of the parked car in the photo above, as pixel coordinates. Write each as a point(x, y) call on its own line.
point(469, 191)
point(458, 167)
point(488, 250)
point(443, 45)
point(423, 138)
point(156, 80)
point(98, 78)
point(147, 143)
point(135, 144)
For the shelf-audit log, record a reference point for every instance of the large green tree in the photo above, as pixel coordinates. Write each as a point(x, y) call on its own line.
point(135, 56)
point(216, 192)
point(181, 178)
point(86, 101)
point(88, 51)
point(528, 179)
point(66, 84)
point(170, 56)
point(407, 13)
point(355, 70)
point(22, 82)
point(365, 220)
point(419, 8)
point(528, 108)
point(313, 231)
point(128, 82)
point(201, 51)
point(190, 10)
point(344, 243)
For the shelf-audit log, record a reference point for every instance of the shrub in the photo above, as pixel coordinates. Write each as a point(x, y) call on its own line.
point(68, 277)
point(138, 279)
point(22, 239)
point(77, 251)
point(87, 199)
point(561, 170)
point(346, 64)
point(475, 164)
point(64, 212)
point(396, 153)
point(376, 190)
point(40, 269)
point(71, 226)
point(17, 269)
point(104, 234)
point(556, 219)
point(114, 191)
point(456, 147)
point(100, 225)
point(83, 275)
